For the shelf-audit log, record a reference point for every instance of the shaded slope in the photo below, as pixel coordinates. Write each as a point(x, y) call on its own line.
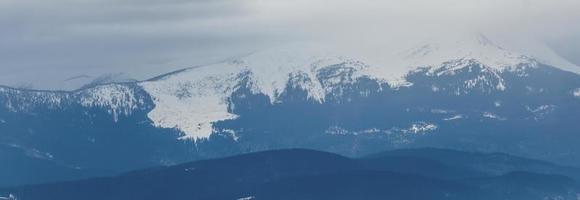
point(307, 174)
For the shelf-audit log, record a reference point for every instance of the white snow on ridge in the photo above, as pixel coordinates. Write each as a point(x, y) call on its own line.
point(192, 100)
point(542, 53)
point(271, 69)
point(23, 100)
point(456, 117)
point(117, 99)
point(464, 47)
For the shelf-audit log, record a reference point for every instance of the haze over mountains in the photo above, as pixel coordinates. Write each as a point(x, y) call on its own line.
point(306, 174)
point(63, 40)
point(468, 94)
point(300, 99)
point(394, 59)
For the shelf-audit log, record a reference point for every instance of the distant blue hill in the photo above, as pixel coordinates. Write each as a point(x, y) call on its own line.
point(308, 174)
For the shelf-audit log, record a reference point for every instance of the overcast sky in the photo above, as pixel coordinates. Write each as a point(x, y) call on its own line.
point(43, 43)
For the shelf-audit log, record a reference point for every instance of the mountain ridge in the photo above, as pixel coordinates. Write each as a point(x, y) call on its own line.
point(301, 173)
point(332, 105)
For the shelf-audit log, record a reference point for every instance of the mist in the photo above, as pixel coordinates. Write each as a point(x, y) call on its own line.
point(61, 44)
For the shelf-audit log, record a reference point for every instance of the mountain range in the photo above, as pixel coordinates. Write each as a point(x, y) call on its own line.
point(467, 94)
point(306, 174)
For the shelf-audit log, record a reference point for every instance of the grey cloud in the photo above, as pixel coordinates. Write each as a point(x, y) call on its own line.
point(44, 42)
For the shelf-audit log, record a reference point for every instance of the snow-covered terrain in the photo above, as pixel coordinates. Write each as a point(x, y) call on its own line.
point(117, 99)
point(476, 47)
point(465, 94)
point(194, 99)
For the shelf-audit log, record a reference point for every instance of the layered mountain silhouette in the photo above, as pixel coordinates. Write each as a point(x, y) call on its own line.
point(471, 94)
point(306, 174)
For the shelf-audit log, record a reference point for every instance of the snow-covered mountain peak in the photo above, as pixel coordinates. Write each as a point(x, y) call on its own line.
point(477, 47)
point(271, 69)
point(192, 100)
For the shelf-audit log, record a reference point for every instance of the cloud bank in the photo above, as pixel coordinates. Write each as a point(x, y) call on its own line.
point(44, 44)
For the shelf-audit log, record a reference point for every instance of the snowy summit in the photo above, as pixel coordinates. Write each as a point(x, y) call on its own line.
point(192, 99)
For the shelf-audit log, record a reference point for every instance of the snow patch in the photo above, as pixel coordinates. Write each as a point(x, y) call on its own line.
point(541, 112)
point(541, 109)
point(192, 102)
point(421, 128)
point(434, 88)
point(397, 83)
point(35, 153)
point(336, 130)
point(576, 93)
point(491, 115)
point(456, 117)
